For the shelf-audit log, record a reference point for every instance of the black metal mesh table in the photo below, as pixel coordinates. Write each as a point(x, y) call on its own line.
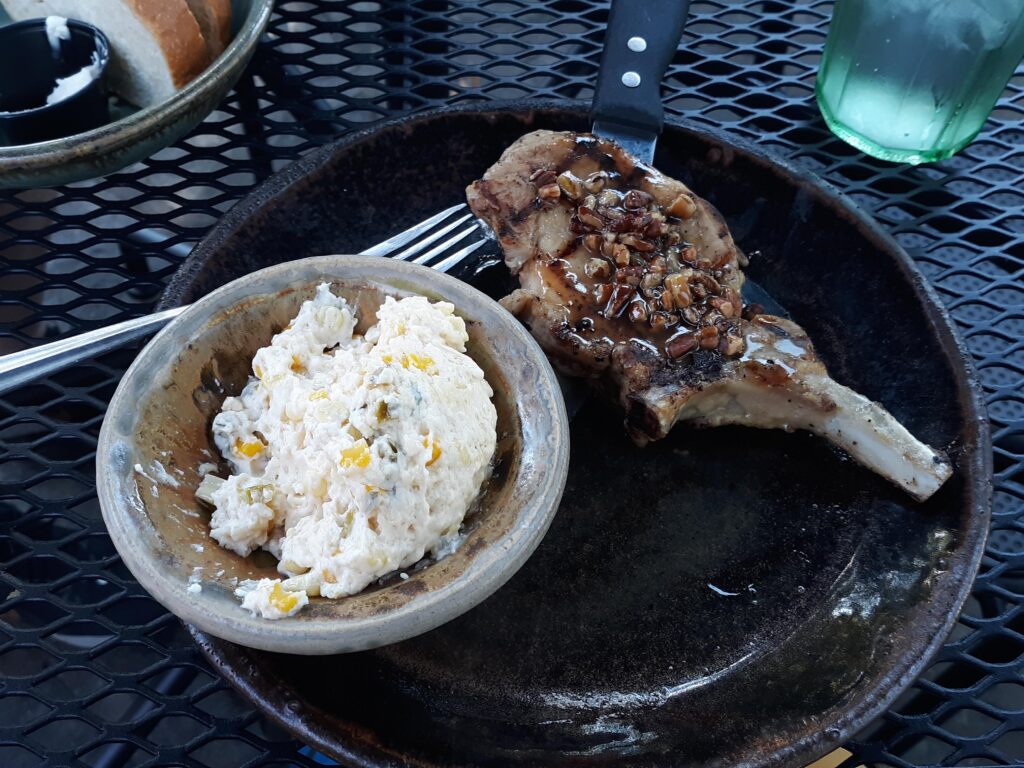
point(94, 673)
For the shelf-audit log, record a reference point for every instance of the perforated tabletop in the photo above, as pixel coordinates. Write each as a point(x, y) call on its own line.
point(95, 673)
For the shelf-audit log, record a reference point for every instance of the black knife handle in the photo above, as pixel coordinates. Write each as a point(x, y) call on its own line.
point(629, 81)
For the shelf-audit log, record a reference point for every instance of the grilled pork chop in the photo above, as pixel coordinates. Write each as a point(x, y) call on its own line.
point(632, 281)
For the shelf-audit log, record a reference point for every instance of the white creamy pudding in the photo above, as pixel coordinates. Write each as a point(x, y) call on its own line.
point(353, 456)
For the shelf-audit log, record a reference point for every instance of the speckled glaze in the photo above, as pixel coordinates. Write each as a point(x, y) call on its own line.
point(610, 647)
point(165, 404)
point(140, 134)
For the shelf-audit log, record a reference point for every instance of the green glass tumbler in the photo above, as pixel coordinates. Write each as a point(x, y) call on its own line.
point(913, 81)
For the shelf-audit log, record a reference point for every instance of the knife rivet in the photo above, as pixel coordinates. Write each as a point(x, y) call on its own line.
point(637, 44)
point(631, 79)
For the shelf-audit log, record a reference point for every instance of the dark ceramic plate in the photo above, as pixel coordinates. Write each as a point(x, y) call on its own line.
point(614, 645)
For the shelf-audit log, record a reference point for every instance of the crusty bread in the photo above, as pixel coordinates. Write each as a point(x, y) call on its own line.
point(156, 45)
point(214, 17)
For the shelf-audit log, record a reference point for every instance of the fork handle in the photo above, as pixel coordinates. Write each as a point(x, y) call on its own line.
point(21, 368)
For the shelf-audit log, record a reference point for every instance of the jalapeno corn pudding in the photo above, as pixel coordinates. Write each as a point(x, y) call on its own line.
point(353, 456)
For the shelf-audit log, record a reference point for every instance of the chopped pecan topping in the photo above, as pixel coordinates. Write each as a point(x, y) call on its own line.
point(691, 316)
point(651, 280)
point(676, 285)
point(635, 199)
point(629, 274)
point(644, 270)
point(543, 176)
point(732, 344)
point(662, 320)
point(588, 218)
point(682, 207)
point(621, 295)
point(638, 312)
point(654, 229)
point(549, 192)
point(636, 243)
point(680, 344)
point(595, 182)
point(598, 269)
point(723, 306)
point(620, 254)
point(708, 337)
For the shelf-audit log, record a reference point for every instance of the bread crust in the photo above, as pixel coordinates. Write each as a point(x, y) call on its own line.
point(175, 32)
point(178, 35)
point(214, 17)
point(222, 16)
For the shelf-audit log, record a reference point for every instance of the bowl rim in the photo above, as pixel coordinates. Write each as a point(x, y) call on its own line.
point(491, 567)
point(131, 128)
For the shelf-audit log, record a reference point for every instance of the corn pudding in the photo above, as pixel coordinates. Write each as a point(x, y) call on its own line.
point(353, 456)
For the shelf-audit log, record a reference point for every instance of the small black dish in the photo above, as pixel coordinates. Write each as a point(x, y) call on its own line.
point(29, 70)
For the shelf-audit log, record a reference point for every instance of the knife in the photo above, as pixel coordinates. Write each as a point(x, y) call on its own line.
point(641, 39)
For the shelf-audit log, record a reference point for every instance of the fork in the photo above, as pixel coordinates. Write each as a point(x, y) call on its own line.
point(420, 244)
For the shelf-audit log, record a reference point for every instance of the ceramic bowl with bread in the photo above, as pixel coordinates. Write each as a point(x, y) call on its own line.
point(157, 48)
point(171, 63)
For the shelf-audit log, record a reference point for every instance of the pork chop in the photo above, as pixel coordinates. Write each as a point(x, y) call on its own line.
point(633, 282)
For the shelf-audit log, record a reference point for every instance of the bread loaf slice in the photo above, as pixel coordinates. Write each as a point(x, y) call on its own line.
point(156, 45)
point(214, 17)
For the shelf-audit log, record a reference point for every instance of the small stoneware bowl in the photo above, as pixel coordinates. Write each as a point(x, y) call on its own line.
point(156, 434)
point(30, 108)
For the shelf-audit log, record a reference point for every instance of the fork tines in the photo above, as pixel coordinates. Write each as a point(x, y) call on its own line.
point(448, 232)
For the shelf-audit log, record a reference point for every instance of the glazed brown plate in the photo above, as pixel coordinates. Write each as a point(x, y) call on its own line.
point(723, 597)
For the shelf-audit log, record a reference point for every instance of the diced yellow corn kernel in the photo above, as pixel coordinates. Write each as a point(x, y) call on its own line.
point(297, 365)
point(320, 394)
point(435, 453)
point(248, 448)
point(388, 359)
point(422, 362)
point(258, 371)
point(356, 455)
point(369, 488)
point(283, 601)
